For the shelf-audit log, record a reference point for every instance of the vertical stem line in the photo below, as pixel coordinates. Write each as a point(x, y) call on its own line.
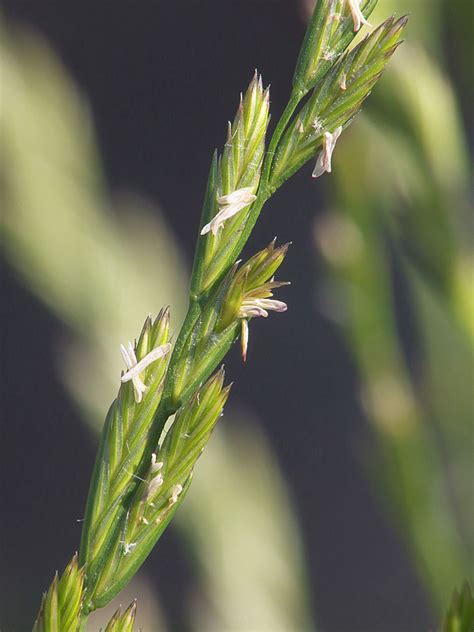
point(82, 622)
point(295, 97)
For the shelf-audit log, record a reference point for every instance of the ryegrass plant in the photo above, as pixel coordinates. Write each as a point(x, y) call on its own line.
point(170, 398)
point(252, 503)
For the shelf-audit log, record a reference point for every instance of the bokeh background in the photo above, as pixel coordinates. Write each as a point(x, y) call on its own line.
point(337, 493)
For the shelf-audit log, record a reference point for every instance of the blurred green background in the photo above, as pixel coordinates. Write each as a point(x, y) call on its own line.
point(337, 493)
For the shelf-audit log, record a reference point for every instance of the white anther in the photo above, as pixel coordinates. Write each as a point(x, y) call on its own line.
point(229, 205)
point(175, 492)
point(323, 162)
point(244, 338)
point(135, 368)
point(156, 466)
point(357, 15)
point(258, 307)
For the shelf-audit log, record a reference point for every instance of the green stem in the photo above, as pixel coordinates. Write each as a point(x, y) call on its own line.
point(82, 622)
point(295, 97)
point(192, 316)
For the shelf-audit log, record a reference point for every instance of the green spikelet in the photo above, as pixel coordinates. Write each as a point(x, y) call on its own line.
point(330, 31)
point(123, 622)
point(233, 183)
point(121, 449)
point(61, 605)
point(163, 488)
point(336, 99)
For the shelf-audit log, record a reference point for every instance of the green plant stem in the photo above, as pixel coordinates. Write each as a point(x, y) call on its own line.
point(295, 97)
point(82, 622)
point(192, 316)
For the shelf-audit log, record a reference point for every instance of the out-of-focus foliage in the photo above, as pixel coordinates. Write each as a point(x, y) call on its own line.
point(243, 461)
point(101, 266)
point(399, 211)
point(460, 615)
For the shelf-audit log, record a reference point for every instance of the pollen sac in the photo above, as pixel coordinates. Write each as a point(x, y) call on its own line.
point(232, 185)
point(330, 31)
point(330, 107)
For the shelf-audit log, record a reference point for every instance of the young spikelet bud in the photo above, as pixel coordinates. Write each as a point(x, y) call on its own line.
point(331, 29)
point(61, 605)
point(233, 184)
point(123, 622)
point(460, 615)
point(123, 439)
point(164, 487)
point(335, 101)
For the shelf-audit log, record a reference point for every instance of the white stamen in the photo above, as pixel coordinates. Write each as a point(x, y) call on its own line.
point(154, 485)
point(323, 162)
point(343, 82)
point(229, 205)
point(155, 465)
point(357, 15)
point(259, 306)
point(244, 338)
point(240, 195)
point(175, 492)
point(135, 368)
point(299, 126)
point(139, 367)
point(129, 361)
